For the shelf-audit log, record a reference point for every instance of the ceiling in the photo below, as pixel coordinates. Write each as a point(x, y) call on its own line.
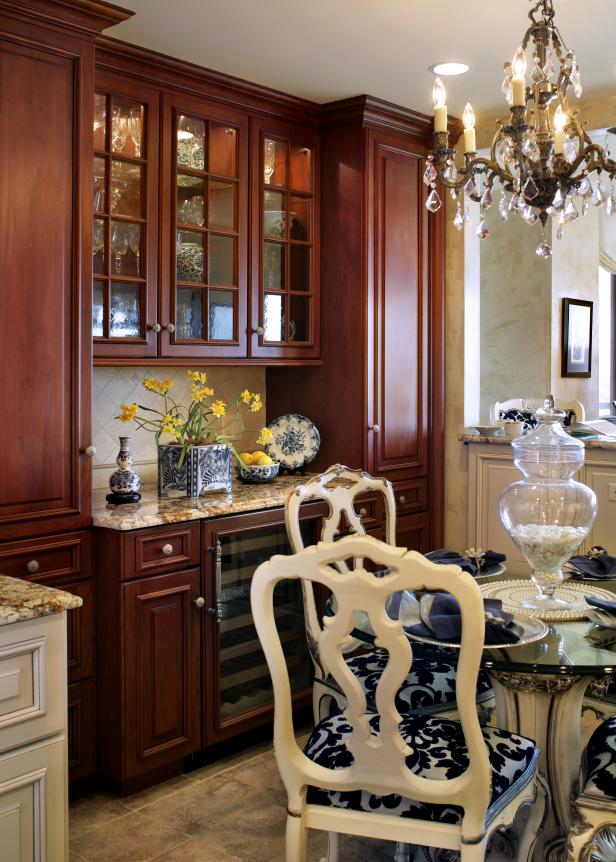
point(331, 49)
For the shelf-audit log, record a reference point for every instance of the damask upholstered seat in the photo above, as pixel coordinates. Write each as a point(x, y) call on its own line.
point(600, 761)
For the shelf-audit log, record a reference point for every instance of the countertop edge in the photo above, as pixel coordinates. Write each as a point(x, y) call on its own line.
point(505, 440)
point(23, 600)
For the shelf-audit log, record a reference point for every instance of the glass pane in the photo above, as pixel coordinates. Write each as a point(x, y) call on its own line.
point(189, 313)
point(127, 128)
point(190, 260)
point(299, 320)
point(222, 259)
point(223, 150)
point(273, 317)
point(221, 315)
point(190, 200)
point(125, 310)
point(274, 162)
point(300, 218)
point(98, 185)
point(300, 267)
point(125, 188)
point(98, 308)
point(222, 205)
point(245, 683)
point(273, 266)
point(274, 215)
point(191, 143)
point(100, 121)
point(301, 169)
point(98, 245)
point(125, 248)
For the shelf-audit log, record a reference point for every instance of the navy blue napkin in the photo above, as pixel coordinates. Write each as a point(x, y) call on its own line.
point(602, 604)
point(449, 558)
point(597, 564)
point(441, 620)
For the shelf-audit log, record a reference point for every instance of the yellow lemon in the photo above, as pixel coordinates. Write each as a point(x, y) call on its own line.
point(246, 458)
point(262, 460)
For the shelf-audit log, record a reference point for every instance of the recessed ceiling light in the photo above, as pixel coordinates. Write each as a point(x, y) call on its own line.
point(449, 68)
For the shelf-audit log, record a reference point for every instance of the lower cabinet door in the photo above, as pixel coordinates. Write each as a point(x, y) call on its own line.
point(81, 730)
point(413, 532)
point(162, 645)
point(33, 803)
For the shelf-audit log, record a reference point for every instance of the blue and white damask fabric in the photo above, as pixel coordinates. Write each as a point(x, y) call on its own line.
point(600, 761)
point(430, 686)
point(438, 752)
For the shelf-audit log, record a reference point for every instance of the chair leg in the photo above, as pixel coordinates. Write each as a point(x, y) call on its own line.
point(474, 852)
point(295, 839)
point(536, 815)
point(333, 847)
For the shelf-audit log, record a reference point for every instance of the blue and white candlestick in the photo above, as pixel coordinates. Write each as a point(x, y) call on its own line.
point(124, 482)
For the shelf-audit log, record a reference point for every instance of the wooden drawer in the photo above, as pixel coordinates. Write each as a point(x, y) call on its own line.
point(411, 496)
point(81, 726)
point(413, 532)
point(371, 509)
point(161, 549)
point(32, 680)
point(68, 555)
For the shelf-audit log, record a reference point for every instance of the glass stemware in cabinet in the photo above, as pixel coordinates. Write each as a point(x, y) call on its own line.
point(127, 128)
point(190, 143)
point(100, 121)
point(548, 514)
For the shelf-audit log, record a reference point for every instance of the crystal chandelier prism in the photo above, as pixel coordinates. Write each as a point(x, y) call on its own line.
point(545, 162)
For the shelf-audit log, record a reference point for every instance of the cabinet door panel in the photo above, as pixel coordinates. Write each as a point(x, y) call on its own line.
point(40, 319)
point(162, 647)
point(413, 533)
point(399, 283)
point(81, 730)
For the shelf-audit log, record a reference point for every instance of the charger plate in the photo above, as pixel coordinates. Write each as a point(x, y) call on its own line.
point(513, 593)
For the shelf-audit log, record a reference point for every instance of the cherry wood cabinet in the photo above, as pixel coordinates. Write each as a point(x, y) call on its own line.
point(378, 397)
point(46, 86)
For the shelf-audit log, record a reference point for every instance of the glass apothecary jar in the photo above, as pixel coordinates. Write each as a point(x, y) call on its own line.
point(547, 514)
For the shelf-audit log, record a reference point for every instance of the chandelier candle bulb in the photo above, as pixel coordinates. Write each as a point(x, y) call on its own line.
point(560, 121)
point(470, 145)
point(439, 95)
point(518, 82)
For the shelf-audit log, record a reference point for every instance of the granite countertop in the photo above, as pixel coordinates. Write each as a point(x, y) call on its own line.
point(153, 510)
point(504, 440)
point(23, 600)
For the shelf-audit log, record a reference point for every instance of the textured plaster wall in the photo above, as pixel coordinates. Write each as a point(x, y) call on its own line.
point(112, 386)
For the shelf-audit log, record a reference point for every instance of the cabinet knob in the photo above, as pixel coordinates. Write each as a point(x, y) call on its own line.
point(167, 550)
point(402, 498)
point(200, 602)
point(170, 328)
point(33, 566)
point(375, 428)
point(156, 327)
point(363, 512)
point(259, 330)
point(90, 451)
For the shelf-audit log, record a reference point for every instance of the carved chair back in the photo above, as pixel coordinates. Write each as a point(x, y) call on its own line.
point(378, 761)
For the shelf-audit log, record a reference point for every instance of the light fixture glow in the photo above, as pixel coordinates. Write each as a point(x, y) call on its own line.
point(449, 68)
point(560, 119)
point(519, 63)
point(468, 117)
point(439, 94)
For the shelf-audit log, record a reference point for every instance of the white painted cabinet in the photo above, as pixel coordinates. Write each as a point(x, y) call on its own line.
point(491, 469)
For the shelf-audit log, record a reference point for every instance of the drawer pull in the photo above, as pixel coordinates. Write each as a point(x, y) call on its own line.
point(33, 566)
point(363, 512)
point(200, 602)
point(402, 499)
point(167, 549)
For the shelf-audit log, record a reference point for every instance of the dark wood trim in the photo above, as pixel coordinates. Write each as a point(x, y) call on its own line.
point(85, 16)
point(189, 362)
point(436, 372)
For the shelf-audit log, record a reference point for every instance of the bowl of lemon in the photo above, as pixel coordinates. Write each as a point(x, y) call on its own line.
point(255, 467)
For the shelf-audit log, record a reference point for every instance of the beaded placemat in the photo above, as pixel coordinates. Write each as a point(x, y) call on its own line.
point(513, 593)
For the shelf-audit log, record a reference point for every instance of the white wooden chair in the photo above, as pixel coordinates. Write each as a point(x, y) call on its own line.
point(593, 835)
point(518, 404)
point(418, 779)
point(430, 688)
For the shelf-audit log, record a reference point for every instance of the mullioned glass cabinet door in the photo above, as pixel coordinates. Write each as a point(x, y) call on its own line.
point(124, 226)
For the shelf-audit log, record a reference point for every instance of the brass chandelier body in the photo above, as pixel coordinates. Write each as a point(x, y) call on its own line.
point(545, 161)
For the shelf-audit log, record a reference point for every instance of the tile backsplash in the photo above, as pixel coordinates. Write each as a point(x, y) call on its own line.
point(113, 386)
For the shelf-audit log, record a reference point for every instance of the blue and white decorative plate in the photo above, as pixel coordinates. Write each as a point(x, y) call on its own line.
point(294, 442)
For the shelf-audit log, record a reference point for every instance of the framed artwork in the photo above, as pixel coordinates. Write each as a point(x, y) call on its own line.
point(576, 338)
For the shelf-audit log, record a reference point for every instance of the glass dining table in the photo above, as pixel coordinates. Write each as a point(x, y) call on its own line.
point(539, 690)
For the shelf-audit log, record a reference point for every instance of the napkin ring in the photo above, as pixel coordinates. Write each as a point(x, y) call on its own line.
point(596, 551)
point(476, 555)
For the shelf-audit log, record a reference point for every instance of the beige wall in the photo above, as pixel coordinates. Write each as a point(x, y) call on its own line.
point(113, 386)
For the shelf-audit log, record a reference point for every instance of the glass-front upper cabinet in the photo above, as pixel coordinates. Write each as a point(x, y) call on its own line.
point(205, 197)
point(124, 228)
point(285, 242)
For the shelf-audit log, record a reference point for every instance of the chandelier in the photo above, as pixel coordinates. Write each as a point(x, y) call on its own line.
point(544, 160)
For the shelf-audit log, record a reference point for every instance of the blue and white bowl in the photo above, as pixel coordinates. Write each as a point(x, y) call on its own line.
point(253, 474)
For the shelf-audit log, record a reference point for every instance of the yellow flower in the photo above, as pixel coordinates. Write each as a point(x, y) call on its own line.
point(165, 386)
point(201, 392)
point(265, 435)
point(169, 429)
point(257, 404)
point(219, 408)
point(128, 412)
point(154, 385)
point(197, 376)
point(246, 396)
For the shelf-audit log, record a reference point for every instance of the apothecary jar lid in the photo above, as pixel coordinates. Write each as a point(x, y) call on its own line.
point(548, 443)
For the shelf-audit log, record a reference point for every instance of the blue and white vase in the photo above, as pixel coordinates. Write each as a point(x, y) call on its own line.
point(205, 468)
point(124, 482)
